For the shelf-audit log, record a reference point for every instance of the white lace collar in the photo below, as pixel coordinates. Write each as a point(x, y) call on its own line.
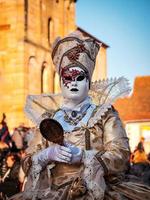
point(103, 94)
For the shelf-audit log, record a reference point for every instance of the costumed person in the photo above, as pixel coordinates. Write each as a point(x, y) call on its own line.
point(10, 184)
point(95, 147)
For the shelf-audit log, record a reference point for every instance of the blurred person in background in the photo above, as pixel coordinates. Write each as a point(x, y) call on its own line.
point(19, 137)
point(10, 183)
point(140, 165)
point(139, 155)
point(4, 132)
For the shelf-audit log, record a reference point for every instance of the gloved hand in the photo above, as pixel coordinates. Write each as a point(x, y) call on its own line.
point(55, 153)
point(76, 153)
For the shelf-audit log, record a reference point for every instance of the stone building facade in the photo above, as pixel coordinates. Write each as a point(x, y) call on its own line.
point(27, 31)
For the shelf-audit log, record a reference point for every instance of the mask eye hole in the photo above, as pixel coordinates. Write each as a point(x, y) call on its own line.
point(80, 78)
point(68, 78)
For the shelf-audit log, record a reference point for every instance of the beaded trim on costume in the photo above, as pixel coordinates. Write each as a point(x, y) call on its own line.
point(74, 120)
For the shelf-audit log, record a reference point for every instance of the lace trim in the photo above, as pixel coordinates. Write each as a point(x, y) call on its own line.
point(89, 176)
point(39, 107)
point(105, 93)
point(108, 90)
point(36, 169)
point(101, 110)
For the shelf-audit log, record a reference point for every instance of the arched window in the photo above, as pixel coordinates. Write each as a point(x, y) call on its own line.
point(56, 83)
point(45, 78)
point(32, 72)
point(26, 15)
point(50, 31)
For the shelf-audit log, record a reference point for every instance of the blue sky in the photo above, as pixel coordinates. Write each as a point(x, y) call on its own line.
point(125, 26)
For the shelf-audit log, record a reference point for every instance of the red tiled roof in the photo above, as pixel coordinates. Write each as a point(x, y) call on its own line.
point(137, 106)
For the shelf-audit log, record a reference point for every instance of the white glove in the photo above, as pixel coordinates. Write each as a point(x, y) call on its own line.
point(54, 153)
point(76, 153)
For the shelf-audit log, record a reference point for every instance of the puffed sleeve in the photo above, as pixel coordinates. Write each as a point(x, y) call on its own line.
point(35, 146)
point(31, 166)
point(116, 146)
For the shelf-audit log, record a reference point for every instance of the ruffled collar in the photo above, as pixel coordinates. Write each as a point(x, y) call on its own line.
point(104, 93)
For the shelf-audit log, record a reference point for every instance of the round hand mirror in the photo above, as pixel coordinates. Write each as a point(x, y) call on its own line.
point(52, 130)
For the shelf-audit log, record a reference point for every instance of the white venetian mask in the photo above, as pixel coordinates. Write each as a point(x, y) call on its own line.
point(74, 84)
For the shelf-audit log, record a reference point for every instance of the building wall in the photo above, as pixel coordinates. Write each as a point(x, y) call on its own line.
point(11, 59)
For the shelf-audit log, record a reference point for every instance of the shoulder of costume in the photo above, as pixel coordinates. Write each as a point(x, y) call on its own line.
point(39, 107)
point(104, 93)
point(36, 143)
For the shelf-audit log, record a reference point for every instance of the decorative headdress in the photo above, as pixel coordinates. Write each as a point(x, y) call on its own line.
point(75, 50)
